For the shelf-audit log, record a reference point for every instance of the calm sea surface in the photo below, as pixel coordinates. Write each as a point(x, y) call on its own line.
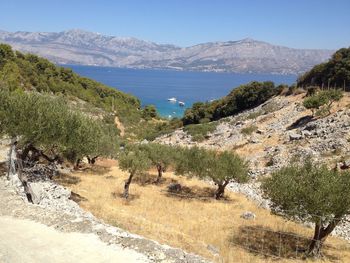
point(156, 86)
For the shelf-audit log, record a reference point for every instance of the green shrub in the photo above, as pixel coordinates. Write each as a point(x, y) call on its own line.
point(321, 102)
point(249, 130)
point(200, 131)
point(149, 112)
point(254, 115)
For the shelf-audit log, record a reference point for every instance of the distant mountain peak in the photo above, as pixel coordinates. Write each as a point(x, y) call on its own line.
point(78, 46)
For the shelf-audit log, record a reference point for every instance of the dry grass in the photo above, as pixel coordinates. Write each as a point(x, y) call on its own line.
point(192, 221)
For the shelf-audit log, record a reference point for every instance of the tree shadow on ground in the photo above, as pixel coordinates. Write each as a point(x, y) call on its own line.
point(67, 179)
point(205, 194)
point(263, 241)
point(150, 179)
point(131, 197)
point(300, 122)
point(95, 169)
point(77, 197)
point(3, 168)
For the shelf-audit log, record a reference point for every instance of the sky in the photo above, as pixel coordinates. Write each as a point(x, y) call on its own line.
point(323, 24)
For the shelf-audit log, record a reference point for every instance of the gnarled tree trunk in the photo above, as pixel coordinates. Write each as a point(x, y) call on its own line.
point(77, 164)
point(221, 189)
point(160, 173)
point(92, 160)
point(320, 235)
point(127, 185)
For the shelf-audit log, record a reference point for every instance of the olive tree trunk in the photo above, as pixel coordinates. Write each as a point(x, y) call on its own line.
point(160, 173)
point(221, 189)
point(320, 235)
point(127, 185)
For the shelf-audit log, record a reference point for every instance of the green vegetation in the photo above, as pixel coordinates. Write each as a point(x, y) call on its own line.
point(241, 98)
point(134, 161)
point(28, 72)
point(334, 73)
point(254, 115)
point(249, 130)
point(161, 156)
point(149, 112)
point(310, 193)
point(43, 126)
point(321, 102)
point(220, 167)
point(200, 131)
point(152, 129)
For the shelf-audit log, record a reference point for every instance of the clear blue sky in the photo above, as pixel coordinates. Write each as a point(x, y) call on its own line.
point(293, 23)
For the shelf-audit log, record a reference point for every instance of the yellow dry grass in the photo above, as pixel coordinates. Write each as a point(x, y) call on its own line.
point(194, 222)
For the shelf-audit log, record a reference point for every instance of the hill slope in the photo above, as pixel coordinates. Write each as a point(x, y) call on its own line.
point(29, 72)
point(87, 48)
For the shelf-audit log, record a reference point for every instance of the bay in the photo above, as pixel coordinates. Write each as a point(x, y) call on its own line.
point(156, 86)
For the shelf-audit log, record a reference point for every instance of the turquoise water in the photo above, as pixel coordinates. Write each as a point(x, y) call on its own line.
point(156, 86)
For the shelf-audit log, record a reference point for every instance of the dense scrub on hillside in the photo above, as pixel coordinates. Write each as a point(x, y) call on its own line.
point(239, 99)
point(334, 73)
point(28, 72)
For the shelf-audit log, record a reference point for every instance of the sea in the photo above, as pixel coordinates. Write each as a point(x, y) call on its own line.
point(157, 86)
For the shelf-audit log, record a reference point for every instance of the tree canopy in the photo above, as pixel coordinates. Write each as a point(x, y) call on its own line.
point(310, 192)
point(46, 123)
point(134, 161)
point(239, 99)
point(220, 167)
point(161, 156)
point(334, 73)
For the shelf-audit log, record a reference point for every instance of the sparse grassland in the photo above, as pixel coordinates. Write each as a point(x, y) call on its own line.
point(192, 219)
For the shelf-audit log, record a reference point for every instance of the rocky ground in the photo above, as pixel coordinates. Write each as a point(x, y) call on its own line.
point(283, 130)
point(54, 217)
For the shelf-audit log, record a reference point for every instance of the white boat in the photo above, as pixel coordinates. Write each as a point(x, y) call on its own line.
point(172, 99)
point(181, 103)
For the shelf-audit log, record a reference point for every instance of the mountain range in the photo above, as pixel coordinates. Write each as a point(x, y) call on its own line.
point(88, 48)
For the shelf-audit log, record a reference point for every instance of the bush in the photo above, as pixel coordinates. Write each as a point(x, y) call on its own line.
point(149, 112)
point(200, 131)
point(249, 130)
point(322, 101)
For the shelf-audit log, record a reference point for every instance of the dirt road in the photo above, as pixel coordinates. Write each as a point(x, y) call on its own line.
point(22, 240)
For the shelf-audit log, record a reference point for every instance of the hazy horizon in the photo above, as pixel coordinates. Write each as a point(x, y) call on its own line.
point(298, 24)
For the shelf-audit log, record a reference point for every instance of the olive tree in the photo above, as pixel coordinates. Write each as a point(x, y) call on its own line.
point(134, 161)
point(46, 127)
point(311, 193)
point(220, 167)
point(160, 156)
